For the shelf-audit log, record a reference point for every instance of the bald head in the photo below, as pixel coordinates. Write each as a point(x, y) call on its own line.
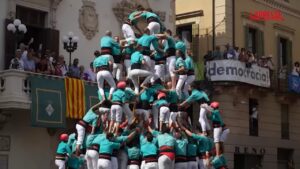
point(108, 33)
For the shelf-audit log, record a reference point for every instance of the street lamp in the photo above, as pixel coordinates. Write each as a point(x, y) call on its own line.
point(70, 45)
point(18, 29)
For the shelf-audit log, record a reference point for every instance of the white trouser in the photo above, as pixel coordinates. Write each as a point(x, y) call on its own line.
point(217, 134)
point(144, 113)
point(154, 27)
point(201, 163)
point(155, 116)
point(127, 65)
point(160, 71)
point(164, 114)
point(164, 162)
point(128, 112)
point(104, 164)
point(105, 75)
point(203, 118)
point(135, 74)
point(134, 166)
point(91, 157)
point(180, 83)
point(171, 65)
point(192, 165)
point(122, 159)
point(61, 164)
point(182, 165)
point(173, 116)
point(151, 165)
point(224, 135)
point(114, 162)
point(80, 134)
point(116, 113)
point(117, 71)
point(150, 64)
point(187, 83)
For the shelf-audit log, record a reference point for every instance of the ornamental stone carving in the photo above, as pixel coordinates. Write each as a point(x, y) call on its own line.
point(88, 19)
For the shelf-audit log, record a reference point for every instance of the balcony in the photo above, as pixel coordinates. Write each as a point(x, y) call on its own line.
point(14, 90)
point(233, 74)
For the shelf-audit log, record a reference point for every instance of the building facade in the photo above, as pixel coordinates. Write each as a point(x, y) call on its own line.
point(21, 144)
point(263, 120)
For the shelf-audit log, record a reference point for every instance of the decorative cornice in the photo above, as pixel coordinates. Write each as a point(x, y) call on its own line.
point(246, 15)
point(190, 15)
point(284, 28)
point(280, 5)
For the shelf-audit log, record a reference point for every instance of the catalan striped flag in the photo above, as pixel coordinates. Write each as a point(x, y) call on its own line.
point(75, 98)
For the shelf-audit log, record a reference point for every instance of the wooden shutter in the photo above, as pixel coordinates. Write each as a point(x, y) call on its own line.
point(260, 43)
point(246, 34)
point(50, 40)
point(195, 42)
point(10, 45)
point(289, 54)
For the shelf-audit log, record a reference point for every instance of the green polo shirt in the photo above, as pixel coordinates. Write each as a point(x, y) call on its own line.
point(170, 43)
point(197, 95)
point(101, 61)
point(136, 57)
point(180, 63)
point(108, 42)
point(181, 147)
point(189, 63)
point(63, 148)
point(148, 149)
point(118, 96)
point(107, 146)
point(133, 153)
point(91, 118)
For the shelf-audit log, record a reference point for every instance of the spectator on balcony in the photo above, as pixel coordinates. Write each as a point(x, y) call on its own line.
point(251, 59)
point(60, 68)
point(43, 65)
point(90, 74)
point(17, 63)
point(229, 52)
point(236, 51)
point(296, 69)
point(29, 62)
point(243, 56)
point(217, 54)
point(74, 69)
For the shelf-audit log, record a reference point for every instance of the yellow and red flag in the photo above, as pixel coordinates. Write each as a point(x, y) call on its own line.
point(75, 98)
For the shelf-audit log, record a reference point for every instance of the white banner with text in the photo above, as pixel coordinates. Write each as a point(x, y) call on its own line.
point(233, 70)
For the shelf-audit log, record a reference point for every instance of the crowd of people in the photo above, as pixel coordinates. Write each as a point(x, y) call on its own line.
point(243, 55)
point(48, 63)
point(143, 118)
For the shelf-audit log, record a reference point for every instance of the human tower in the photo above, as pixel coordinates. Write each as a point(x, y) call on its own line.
point(146, 86)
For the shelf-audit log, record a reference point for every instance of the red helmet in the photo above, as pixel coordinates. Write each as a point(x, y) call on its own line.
point(64, 137)
point(121, 85)
point(214, 105)
point(161, 95)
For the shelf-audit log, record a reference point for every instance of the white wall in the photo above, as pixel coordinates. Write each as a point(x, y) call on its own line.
point(31, 148)
point(3, 13)
point(67, 20)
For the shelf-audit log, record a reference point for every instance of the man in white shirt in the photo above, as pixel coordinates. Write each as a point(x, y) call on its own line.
point(128, 32)
point(17, 63)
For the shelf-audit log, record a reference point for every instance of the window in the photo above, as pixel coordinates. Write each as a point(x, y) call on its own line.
point(285, 52)
point(254, 40)
point(251, 40)
point(285, 134)
point(253, 117)
point(31, 16)
point(247, 161)
point(285, 158)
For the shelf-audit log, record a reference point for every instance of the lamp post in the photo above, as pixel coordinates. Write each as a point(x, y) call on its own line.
point(70, 45)
point(18, 29)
